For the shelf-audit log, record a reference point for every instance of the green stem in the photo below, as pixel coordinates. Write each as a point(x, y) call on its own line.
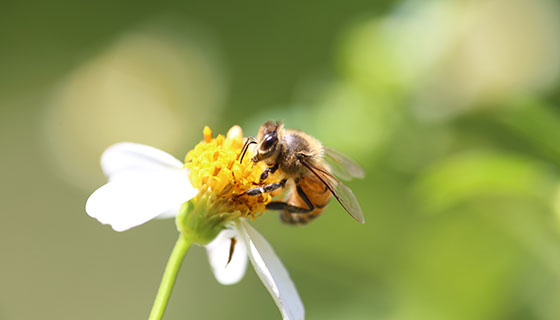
point(169, 276)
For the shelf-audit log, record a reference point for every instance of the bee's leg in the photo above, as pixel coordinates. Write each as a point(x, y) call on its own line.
point(279, 205)
point(267, 171)
point(266, 188)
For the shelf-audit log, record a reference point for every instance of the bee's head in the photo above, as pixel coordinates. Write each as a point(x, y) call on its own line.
point(268, 142)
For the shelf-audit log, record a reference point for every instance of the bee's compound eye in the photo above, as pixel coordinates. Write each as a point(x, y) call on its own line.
point(269, 142)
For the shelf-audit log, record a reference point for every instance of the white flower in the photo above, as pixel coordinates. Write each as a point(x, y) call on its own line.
point(147, 183)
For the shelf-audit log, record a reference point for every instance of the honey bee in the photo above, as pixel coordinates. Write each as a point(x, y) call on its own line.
point(309, 180)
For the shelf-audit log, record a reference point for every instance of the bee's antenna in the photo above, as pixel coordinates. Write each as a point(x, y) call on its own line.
point(248, 142)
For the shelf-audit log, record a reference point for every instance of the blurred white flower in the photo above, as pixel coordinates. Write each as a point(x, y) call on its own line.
point(140, 87)
point(449, 57)
point(147, 183)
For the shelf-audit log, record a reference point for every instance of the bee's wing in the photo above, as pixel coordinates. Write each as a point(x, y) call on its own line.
point(342, 166)
point(342, 193)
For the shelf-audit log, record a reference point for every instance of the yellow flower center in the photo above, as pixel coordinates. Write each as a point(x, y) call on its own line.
point(215, 170)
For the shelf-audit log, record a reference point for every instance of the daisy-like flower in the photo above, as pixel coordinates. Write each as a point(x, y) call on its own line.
point(207, 196)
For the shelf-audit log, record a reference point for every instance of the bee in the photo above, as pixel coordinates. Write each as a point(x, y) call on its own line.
point(309, 180)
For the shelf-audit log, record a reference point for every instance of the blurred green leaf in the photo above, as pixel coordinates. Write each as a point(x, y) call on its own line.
point(536, 124)
point(456, 267)
point(482, 174)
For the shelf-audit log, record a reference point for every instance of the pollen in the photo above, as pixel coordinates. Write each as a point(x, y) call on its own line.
point(207, 133)
point(216, 171)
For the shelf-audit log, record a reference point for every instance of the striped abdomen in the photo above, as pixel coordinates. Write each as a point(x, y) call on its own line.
point(316, 192)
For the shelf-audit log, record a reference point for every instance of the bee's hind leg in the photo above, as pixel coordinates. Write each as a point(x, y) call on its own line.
point(280, 205)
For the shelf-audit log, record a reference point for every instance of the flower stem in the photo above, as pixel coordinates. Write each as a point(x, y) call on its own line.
point(173, 265)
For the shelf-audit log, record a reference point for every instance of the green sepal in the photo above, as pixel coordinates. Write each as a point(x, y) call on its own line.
point(197, 221)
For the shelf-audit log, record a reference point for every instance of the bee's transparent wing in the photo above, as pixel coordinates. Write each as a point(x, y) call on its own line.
point(341, 192)
point(342, 166)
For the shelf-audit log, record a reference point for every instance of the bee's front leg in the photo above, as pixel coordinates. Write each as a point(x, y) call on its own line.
point(266, 172)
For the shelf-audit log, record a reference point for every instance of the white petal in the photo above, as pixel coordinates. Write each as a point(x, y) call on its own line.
point(133, 198)
point(218, 254)
point(171, 213)
point(272, 273)
point(126, 157)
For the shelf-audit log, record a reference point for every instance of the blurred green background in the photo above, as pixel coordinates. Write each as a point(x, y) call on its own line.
point(452, 107)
